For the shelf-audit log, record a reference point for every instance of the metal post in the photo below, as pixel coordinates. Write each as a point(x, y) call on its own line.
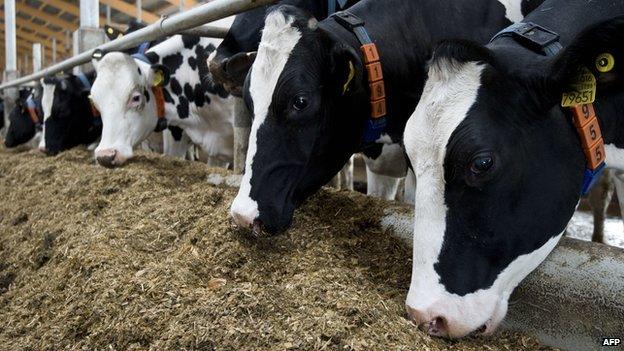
point(89, 14)
point(139, 9)
point(53, 50)
point(181, 5)
point(37, 62)
point(108, 14)
point(88, 35)
point(27, 63)
point(10, 60)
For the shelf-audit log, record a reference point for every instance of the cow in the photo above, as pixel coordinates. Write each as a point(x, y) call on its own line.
point(25, 119)
point(499, 164)
point(124, 93)
point(69, 118)
point(309, 94)
point(230, 63)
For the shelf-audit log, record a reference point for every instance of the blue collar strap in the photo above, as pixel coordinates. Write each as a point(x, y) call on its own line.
point(143, 47)
point(533, 37)
point(30, 102)
point(377, 122)
point(546, 42)
point(331, 6)
point(84, 80)
point(141, 57)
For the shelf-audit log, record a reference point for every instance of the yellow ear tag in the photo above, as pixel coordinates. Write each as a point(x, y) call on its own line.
point(605, 62)
point(159, 78)
point(350, 78)
point(110, 30)
point(582, 89)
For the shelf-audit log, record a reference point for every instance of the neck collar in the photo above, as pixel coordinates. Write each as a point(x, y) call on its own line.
point(376, 123)
point(546, 42)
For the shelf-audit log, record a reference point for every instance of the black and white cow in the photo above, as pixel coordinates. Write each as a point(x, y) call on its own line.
point(24, 125)
point(499, 163)
point(69, 119)
point(122, 92)
point(230, 63)
point(310, 108)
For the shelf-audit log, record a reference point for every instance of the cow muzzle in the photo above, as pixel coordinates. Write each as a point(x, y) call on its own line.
point(456, 319)
point(109, 158)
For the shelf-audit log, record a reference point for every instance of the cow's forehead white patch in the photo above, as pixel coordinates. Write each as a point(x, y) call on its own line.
point(513, 9)
point(47, 99)
point(449, 93)
point(279, 38)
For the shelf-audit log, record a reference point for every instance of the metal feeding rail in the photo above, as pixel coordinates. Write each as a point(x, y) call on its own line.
point(196, 17)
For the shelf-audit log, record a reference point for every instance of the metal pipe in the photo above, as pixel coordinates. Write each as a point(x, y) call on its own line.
point(89, 14)
point(207, 31)
point(10, 43)
point(194, 17)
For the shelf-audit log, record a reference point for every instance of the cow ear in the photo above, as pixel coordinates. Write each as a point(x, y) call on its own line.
point(112, 33)
point(598, 51)
point(159, 75)
point(345, 69)
point(238, 65)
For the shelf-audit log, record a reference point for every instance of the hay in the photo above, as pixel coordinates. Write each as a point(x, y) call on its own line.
point(145, 257)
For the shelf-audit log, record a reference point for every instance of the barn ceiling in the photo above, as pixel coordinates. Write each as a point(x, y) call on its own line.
point(42, 20)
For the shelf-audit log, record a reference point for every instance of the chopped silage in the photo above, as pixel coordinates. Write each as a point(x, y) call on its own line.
point(145, 258)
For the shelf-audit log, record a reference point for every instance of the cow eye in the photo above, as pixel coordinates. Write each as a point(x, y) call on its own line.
point(481, 164)
point(300, 102)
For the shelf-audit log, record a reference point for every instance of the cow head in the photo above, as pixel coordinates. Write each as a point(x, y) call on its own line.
point(231, 62)
point(499, 168)
point(69, 119)
point(298, 89)
point(122, 92)
point(22, 128)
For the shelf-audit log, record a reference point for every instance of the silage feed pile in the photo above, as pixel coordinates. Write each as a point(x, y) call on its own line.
point(145, 258)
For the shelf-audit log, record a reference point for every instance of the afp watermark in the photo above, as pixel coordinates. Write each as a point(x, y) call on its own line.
point(611, 342)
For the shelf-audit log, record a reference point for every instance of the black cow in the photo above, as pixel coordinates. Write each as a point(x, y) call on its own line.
point(309, 93)
point(232, 60)
point(69, 119)
point(24, 126)
point(498, 161)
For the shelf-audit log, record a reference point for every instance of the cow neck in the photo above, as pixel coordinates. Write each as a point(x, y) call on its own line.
point(512, 42)
point(404, 33)
point(31, 107)
point(87, 81)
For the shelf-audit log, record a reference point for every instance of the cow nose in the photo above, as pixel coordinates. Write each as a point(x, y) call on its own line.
point(243, 216)
point(432, 325)
point(43, 149)
point(106, 158)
